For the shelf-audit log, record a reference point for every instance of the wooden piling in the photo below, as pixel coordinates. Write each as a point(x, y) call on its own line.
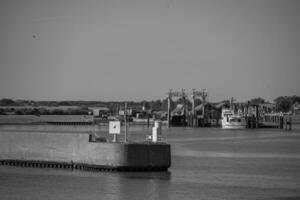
point(281, 124)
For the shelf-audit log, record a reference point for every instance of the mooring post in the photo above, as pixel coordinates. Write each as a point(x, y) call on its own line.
point(169, 107)
point(281, 122)
point(203, 107)
point(183, 96)
point(290, 121)
point(125, 120)
point(148, 119)
point(246, 115)
point(193, 108)
point(169, 118)
point(285, 122)
point(253, 121)
point(257, 116)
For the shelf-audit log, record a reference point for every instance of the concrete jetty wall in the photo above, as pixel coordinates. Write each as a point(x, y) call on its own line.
point(78, 150)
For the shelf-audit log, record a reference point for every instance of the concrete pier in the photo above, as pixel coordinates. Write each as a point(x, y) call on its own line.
point(75, 151)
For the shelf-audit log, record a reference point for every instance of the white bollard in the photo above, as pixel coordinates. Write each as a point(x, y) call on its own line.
point(157, 123)
point(154, 134)
point(156, 131)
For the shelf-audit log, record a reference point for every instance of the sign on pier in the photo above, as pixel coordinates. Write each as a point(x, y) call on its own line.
point(114, 127)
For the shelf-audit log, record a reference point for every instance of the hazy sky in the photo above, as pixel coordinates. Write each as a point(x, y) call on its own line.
point(138, 49)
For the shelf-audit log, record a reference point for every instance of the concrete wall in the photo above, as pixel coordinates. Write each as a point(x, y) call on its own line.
point(76, 148)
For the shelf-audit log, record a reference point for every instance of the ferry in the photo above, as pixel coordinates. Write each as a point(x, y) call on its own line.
point(230, 120)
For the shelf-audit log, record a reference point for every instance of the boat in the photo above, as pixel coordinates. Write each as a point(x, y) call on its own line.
point(230, 120)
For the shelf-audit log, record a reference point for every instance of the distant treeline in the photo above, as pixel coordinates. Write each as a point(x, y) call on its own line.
point(157, 104)
point(44, 111)
point(283, 103)
point(29, 107)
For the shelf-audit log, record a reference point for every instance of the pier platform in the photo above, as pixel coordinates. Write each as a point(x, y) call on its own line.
point(76, 151)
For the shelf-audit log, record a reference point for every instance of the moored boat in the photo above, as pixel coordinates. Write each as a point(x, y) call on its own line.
point(230, 120)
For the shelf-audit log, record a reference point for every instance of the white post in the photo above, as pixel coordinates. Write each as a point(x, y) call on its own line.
point(156, 131)
point(169, 111)
point(114, 128)
point(125, 120)
point(115, 138)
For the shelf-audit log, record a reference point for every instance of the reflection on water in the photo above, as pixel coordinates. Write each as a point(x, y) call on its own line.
point(206, 164)
point(148, 175)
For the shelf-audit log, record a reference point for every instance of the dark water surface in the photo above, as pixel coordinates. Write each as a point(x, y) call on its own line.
point(207, 163)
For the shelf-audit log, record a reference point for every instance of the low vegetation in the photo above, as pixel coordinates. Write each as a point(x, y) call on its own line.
point(29, 107)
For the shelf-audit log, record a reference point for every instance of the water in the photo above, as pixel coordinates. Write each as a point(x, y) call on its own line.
point(207, 163)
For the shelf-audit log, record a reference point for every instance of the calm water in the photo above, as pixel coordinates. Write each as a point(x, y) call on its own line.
point(206, 164)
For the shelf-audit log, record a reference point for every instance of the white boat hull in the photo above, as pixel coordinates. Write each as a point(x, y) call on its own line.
point(231, 120)
point(233, 126)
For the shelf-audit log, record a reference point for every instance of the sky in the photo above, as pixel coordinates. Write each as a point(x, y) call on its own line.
point(118, 50)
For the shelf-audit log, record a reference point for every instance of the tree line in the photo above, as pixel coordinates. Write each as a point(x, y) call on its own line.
point(283, 104)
